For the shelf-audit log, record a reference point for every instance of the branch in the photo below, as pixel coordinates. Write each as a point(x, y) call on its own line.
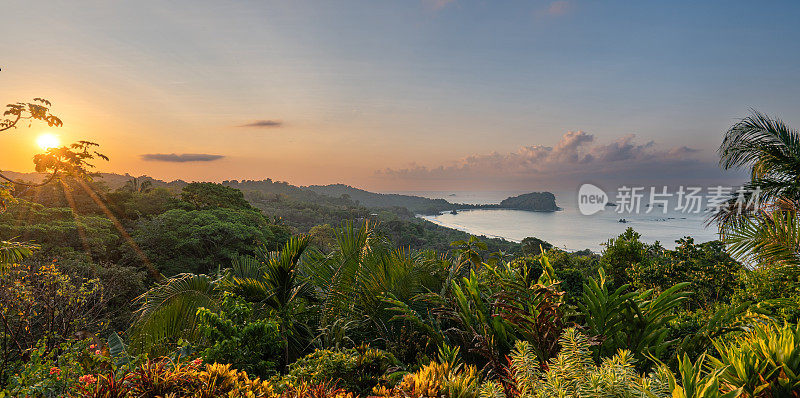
point(45, 182)
point(13, 124)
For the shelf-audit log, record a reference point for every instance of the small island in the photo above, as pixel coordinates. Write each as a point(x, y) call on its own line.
point(534, 201)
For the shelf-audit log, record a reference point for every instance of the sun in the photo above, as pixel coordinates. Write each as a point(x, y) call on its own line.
point(47, 141)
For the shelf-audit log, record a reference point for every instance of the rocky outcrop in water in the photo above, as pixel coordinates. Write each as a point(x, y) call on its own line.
point(534, 201)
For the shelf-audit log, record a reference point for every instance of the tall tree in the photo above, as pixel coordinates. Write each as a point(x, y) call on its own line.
point(67, 160)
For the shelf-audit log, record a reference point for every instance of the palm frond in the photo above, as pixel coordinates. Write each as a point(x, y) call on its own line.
point(12, 252)
point(767, 144)
point(336, 277)
point(770, 238)
point(168, 311)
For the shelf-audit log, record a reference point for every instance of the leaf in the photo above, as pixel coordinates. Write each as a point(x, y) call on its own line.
point(117, 349)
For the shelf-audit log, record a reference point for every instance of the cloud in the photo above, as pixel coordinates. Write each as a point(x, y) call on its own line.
point(624, 148)
point(180, 158)
point(263, 124)
point(560, 7)
point(437, 5)
point(576, 157)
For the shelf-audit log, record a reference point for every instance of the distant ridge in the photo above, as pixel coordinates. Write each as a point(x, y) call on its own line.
point(415, 204)
point(534, 201)
point(110, 180)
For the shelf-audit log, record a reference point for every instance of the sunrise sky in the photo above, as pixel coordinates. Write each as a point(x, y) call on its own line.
point(401, 95)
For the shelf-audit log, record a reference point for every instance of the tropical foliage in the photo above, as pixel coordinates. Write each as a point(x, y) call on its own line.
point(204, 290)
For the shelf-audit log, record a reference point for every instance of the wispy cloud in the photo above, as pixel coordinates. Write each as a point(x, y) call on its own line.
point(560, 7)
point(180, 158)
point(263, 124)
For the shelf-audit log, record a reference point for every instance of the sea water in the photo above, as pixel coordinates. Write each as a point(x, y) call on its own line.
point(568, 228)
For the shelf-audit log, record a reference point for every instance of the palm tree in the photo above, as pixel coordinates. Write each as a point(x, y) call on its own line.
point(765, 230)
point(137, 185)
point(358, 282)
point(339, 275)
point(168, 310)
point(272, 279)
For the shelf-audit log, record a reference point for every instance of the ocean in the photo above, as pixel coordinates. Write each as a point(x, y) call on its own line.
point(568, 229)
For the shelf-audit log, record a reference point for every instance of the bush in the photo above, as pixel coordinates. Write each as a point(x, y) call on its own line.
point(165, 378)
point(763, 362)
point(356, 370)
point(41, 303)
point(51, 373)
point(573, 373)
point(234, 337)
point(437, 380)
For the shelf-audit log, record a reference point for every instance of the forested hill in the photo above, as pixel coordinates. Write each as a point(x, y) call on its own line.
point(333, 194)
point(415, 204)
point(534, 201)
point(111, 181)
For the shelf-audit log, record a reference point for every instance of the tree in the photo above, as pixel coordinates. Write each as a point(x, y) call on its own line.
point(12, 252)
point(168, 310)
point(620, 254)
point(205, 195)
point(710, 270)
point(58, 230)
point(323, 237)
point(138, 185)
point(200, 241)
point(533, 246)
point(763, 230)
point(68, 160)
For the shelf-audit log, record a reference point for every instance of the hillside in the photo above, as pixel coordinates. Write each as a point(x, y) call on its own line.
point(415, 204)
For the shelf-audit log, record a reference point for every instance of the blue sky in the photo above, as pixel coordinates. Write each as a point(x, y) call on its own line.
point(394, 95)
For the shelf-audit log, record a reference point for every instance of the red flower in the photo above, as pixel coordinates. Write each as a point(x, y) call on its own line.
point(197, 362)
point(55, 371)
point(87, 379)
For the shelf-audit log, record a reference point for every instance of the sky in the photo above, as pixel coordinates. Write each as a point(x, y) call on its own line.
point(402, 95)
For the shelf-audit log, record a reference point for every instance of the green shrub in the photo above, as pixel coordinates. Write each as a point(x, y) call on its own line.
point(762, 362)
point(234, 337)
point(51, 373)
point(573, 373)
point(357, 369)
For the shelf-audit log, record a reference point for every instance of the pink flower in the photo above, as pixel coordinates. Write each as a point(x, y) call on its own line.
point(197, 362)
point(55, 371)
point(87, 379)
point(91, 347)
point(97, 352)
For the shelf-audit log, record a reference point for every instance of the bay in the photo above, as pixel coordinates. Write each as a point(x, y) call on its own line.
point(567, 229)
